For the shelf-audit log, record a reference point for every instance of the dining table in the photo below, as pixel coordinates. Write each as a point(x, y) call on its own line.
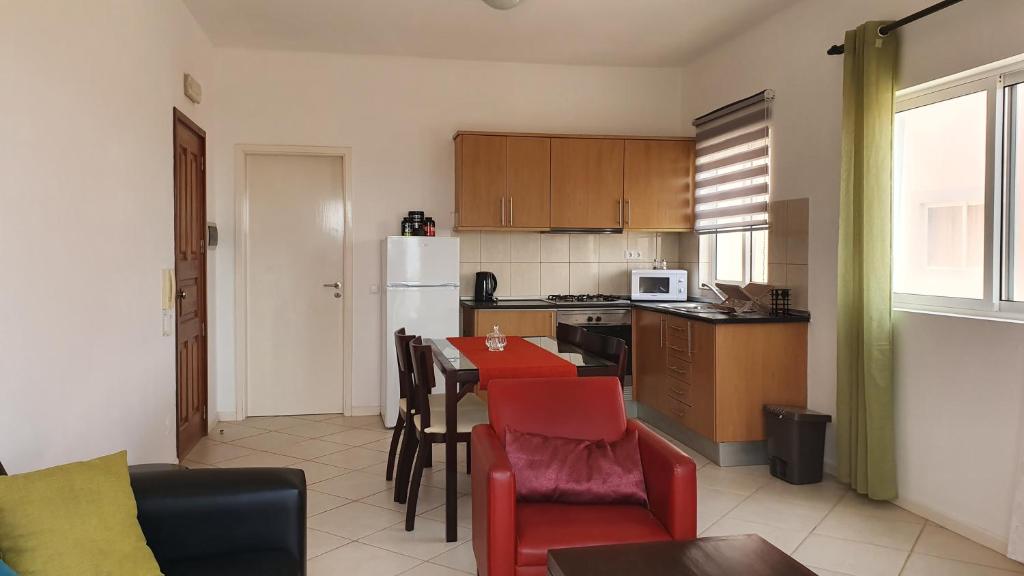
point(461, 376)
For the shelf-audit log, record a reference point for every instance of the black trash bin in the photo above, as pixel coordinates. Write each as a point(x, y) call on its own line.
point(795, 442)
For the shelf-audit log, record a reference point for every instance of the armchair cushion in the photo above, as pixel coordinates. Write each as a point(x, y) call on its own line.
point(545, 526)
point(552, 469)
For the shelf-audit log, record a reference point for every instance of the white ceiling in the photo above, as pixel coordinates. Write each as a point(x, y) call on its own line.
point(600, 32)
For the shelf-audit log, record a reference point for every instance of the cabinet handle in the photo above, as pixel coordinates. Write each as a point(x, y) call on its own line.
point(676, 348)
point(661, 333)
point(502, 210)
point(677, 391)
point(510, 211)
point(676, 370)
point(618, 208)
point(629, 212)
point(689, 339)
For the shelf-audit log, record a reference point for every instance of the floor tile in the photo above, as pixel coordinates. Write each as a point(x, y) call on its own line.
point(730, 480)
point(885, 510)
point(308, 449)
point(438, 453)
point(870, 529)
point(358, 436)
point(271, 422)
point(317, 502)
point(355, 520)
point(937, 541)
point(848, 557)
point(826, 493)
point(313, 429)
point(228, 432)
point(425, 542)
point(464, 514)
point(371, 422)
point(269, 441)
point(824, 572)
point(460, 558)
point(712, 504)
point(317, 472)
point(353, 458)
point(437, 476)
point(765, 509)
point(358, 559)
point(209, 452)
point(382, 445)
point(924, 565)
point(259, 460)
point(318, 542)
point(317, 417)
point(782, 538)
point(429, 499)
point(353, 485)
point(428, 569)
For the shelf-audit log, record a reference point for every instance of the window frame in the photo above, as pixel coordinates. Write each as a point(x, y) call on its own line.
point(748, 256)
point(991, 81)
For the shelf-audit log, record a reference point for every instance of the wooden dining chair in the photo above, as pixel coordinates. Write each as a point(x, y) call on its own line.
point(402, 341)
point(608, 347)
point(429, 423)
point(569, 334)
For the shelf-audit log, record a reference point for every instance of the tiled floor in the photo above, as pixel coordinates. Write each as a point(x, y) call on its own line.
point(356, 529)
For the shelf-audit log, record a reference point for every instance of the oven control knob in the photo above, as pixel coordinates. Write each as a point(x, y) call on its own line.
point(598, 318)
point(590, 318)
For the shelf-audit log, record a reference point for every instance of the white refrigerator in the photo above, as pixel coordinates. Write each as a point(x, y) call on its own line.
point(421, 294)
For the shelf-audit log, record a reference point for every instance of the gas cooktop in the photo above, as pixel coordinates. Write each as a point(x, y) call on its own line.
point(586, 299)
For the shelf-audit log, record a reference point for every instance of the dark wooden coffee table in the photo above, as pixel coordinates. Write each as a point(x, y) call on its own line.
point(746, 555)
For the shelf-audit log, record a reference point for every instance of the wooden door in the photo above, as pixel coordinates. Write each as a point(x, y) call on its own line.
point(480, 186)
point(648, 357)
point(586, 183)
point(295, 310)
point(529, 182)
point(190, 277)
point(658, 184)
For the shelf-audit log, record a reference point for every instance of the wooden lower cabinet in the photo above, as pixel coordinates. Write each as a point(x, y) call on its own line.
point(714, 378)
point(525, 323)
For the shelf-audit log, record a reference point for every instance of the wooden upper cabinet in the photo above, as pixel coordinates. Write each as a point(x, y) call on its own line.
point(529, 182)
point(480, 180)
point(658, 184)
point(586, 182)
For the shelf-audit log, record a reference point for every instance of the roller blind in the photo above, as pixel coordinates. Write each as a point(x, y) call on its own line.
point(733, 162)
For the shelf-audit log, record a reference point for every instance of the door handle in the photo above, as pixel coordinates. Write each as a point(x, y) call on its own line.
point(335, 285)
point(180, 294)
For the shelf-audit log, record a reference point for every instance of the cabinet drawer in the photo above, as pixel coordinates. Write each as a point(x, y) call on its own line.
point(680, 392)
point(677, 338)
point(678, 369)
point(680, 411)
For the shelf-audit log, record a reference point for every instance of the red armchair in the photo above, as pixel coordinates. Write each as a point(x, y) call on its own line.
point(513, 538)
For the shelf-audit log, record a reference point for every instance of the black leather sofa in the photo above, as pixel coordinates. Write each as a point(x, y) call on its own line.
point(223, 522)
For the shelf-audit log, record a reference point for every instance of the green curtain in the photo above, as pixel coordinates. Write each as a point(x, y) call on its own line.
point(864, 397)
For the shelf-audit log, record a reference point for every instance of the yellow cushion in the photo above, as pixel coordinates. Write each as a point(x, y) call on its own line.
point(78, 518)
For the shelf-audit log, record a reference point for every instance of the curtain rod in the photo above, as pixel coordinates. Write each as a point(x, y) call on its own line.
point(837, 49)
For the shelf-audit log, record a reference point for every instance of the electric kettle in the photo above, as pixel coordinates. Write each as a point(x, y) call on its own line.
point(486, 285)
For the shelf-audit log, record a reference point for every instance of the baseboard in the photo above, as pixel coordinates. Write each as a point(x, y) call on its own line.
point(365, 411)
point(979, 535)
point(831, 468)
point(226, 416)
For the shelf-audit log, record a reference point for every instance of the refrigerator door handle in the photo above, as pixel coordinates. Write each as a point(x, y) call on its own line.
point(422, 285)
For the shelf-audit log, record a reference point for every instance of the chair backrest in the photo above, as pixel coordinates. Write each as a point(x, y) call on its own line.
point(608, 347)
point(423, 379)
point(569, 333)
point(402, 341)
point(580, 408)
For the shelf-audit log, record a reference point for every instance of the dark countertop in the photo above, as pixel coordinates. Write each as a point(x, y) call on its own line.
point(712, 317)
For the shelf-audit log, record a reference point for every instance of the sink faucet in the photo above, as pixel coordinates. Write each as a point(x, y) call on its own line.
point(719, 293)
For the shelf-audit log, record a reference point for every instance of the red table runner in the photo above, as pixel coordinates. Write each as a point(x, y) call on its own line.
point(520, 359)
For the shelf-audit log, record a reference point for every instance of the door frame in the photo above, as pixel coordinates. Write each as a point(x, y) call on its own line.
point(242, 152)
point(179, 116)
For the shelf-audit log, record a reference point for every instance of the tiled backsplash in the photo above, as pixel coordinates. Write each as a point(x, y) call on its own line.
point(531, 264)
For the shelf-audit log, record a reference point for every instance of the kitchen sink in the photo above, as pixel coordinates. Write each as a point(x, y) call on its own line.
point(692, 307)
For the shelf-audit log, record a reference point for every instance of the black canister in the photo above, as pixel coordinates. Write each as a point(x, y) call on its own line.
point(416, 218)
point(406, 227)
point(429, 226)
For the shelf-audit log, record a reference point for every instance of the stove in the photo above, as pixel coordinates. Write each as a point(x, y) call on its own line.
point(588, 300)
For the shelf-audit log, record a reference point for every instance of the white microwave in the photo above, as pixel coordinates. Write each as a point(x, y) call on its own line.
point(658, 285)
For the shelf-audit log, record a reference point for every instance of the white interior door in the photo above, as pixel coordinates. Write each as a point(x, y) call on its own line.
point(294, 311)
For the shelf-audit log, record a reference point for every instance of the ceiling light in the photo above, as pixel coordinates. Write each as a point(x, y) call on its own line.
point(502, 4)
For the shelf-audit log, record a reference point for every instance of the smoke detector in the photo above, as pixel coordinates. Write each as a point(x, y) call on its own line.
point(502, 4)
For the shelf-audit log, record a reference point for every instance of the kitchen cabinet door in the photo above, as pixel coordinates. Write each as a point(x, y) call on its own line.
point(648, 357)
point(701, 417)
point(524, 323)
point(586, 182)
point(658, 184)
point(480, 181)
point(529, 182)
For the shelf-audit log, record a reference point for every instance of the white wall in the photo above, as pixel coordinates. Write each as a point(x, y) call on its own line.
point(398, 116)
point(787, 53)
point(86, 209)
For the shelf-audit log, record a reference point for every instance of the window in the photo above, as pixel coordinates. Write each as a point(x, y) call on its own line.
point(958, 203)
point(736, 257)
